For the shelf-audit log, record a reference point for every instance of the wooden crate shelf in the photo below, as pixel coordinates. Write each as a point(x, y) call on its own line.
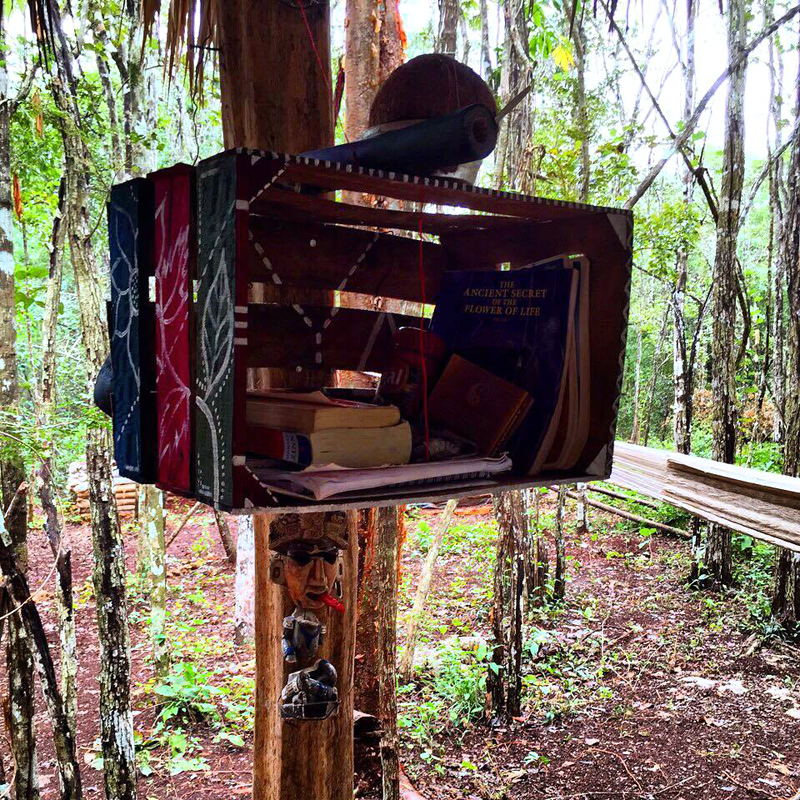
point(245, 234)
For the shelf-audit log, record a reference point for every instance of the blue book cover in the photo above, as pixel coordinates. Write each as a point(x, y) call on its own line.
point(518, 325)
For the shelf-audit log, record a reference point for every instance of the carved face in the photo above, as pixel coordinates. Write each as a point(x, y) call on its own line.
point(310, 573)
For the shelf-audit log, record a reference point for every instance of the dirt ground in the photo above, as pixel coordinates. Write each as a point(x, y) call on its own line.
point(634, 687)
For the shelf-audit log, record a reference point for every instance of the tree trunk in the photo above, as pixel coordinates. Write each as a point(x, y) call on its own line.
point(423, 587)
point(12, 471)
point(559, 575)
point(45, 405)
point(385, 569)
point(312, 759)
point(226, 537)
point(276, 95)
point(244, 592)
point(656, 369)
point(718, 557)
point(108, 572)
point(498, 660)
point(786, 595)
point(537, 563)
point(580, 112)
point(448, 21)
point(156, 586)
point(486, 53)
point(35, 640)
point(637, 388)
point(581, 513)
point(682, 372)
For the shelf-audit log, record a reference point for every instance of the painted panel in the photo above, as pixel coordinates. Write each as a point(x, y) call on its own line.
point(130, 224)
point(215, 329)
point(174, 266)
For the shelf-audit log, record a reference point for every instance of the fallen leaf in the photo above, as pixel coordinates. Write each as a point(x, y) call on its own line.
point(717, 723)
point(592, 742)
point(794, 713)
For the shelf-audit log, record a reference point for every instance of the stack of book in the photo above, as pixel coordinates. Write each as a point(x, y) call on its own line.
point(311, 429)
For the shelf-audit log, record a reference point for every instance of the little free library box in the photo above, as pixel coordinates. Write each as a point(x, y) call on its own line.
point(510, 310)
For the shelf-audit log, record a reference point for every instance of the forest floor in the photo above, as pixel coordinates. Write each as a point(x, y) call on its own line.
point(634, 687)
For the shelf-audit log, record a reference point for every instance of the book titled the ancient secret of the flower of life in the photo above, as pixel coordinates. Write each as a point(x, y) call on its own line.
point(519, 325)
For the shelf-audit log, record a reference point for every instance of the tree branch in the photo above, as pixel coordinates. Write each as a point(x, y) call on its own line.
point(765, 170)
point(691, 123)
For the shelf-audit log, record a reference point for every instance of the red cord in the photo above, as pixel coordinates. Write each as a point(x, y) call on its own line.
point(422, 338)
point(314, 46)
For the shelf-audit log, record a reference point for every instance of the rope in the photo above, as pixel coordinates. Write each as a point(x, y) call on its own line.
point(314, 46)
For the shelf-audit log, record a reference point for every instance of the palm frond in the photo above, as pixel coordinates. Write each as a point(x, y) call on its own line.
point(191, 32)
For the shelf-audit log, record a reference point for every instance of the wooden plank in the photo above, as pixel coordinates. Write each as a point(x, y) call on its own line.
point(440, 191)
point(281, 203)
point(174, 256)
point(263, 500)
point(132, 334)
point(344, 259)
point(216, 330)
point(332, 338)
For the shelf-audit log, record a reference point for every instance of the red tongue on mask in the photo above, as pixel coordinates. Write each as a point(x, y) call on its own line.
point(331, 601)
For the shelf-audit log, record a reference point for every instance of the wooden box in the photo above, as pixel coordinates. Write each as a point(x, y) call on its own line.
point(270, 229)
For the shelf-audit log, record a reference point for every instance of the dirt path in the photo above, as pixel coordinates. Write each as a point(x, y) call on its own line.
point(635, 688)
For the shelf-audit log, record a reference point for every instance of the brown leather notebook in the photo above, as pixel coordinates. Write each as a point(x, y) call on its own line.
point(474, 403)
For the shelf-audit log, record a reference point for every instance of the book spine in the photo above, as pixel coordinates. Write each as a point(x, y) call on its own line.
point(280, 445)
point(511, 427)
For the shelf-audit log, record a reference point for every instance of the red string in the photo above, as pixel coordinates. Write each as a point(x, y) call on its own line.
point(314, 46)
point(422, 337)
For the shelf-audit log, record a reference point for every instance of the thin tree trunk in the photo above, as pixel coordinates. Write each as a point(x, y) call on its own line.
point(35, 641)
point(226, 537)
point(537, 563)
point(581, 512)
point(486, 53)
point(153, 524)
point(498, 660)
point(244, 591)
point(637, 388)
point(385, 570)
point(682, 374)
point(559, 576)
point(423, 587)
point(786, 597)
point(12, 470)
point(580, 110)
point(68, 663)
point(651, 389)
point(448, 21)
point(718, 556)
point(108, 572)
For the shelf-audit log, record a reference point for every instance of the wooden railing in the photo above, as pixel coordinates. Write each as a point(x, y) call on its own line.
point(763, 505)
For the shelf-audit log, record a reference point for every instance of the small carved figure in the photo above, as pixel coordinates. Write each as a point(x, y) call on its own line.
point(311, 693)
point(303, 635)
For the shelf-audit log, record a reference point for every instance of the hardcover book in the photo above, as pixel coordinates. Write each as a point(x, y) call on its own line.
point(517, 325)
point(477, 405)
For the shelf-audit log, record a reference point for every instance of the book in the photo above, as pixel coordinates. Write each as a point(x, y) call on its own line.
point(477, 405)
point(307, 412)
point(355, 448)
point(341, 483)
point(575, 414)
point(518, 325)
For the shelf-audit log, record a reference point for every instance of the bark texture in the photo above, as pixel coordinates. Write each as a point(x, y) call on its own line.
point(12, 472)
point(718, 557)
point(153, 522)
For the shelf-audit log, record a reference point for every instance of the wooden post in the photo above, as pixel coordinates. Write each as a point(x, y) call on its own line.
point(275, 84)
